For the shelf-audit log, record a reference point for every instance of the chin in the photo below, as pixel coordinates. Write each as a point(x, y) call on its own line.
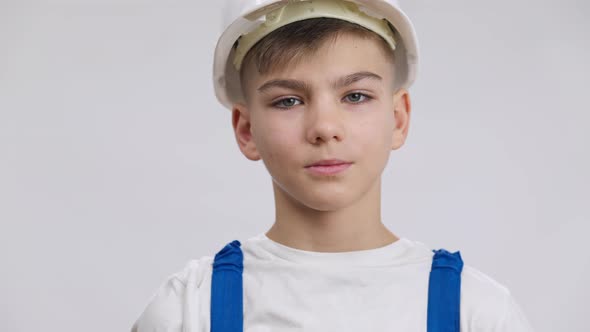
point(326, 206)
point(327, 200)
point(319, 196)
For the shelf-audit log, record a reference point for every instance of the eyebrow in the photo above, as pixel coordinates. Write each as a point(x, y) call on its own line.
point(302, 86)
point(287, 84)
point(355, 77)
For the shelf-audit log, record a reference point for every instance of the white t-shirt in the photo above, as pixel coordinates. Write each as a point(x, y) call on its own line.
point(287, 289)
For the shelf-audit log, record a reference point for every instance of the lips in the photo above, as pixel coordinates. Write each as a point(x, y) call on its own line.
point(328, 167)
point(329, 162)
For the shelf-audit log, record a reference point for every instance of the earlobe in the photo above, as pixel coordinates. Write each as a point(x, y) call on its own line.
point(242, 130)
point(402, 110)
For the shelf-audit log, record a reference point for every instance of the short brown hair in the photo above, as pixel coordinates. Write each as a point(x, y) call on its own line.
point(294, 41)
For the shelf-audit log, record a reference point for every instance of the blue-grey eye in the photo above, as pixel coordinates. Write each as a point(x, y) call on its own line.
point(356, 97)
point(287, 102)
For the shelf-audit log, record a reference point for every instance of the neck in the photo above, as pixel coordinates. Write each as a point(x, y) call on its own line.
point(357, 226)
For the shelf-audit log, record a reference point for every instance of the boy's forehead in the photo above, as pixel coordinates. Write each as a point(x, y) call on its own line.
point(333, 61)
point(303, 85)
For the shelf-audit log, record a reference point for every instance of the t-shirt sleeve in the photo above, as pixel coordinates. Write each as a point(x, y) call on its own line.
point(501, 315)
point(164, 310)
point(513, 319)
point(175, 305)
point(488, 306)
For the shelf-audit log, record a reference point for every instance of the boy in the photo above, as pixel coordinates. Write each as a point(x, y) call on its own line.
point(318, 92)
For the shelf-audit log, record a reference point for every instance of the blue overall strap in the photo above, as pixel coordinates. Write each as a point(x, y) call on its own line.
point(226, 290)
point(444, 291)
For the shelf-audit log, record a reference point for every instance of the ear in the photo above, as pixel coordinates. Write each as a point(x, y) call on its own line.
point(241, 124)
point(402, 108)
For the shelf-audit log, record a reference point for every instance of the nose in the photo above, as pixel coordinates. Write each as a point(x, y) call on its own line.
point(324, 122)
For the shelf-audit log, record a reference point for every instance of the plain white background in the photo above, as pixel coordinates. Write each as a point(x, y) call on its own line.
point(117, 165)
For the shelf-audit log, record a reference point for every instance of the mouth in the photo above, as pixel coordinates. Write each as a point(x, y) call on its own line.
point(329, 166)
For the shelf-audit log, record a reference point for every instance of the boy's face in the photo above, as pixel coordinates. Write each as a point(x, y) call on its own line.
point(338, 103)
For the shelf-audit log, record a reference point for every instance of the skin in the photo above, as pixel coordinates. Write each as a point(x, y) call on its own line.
point(299, 115)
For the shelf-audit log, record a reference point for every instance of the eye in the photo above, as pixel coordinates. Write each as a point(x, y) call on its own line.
point(356, 97)
point(287, 102)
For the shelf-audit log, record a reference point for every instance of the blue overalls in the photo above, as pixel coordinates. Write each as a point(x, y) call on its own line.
point(444, 289)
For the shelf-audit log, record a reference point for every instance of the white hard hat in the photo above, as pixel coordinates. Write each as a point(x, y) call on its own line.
point(253, 19)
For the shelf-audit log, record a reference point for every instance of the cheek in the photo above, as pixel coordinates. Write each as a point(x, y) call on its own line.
point(276, 141)
point(375, 132)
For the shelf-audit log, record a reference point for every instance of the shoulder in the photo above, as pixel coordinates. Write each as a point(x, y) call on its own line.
point(488, 305)
point(482, 293)
point(164, 309)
